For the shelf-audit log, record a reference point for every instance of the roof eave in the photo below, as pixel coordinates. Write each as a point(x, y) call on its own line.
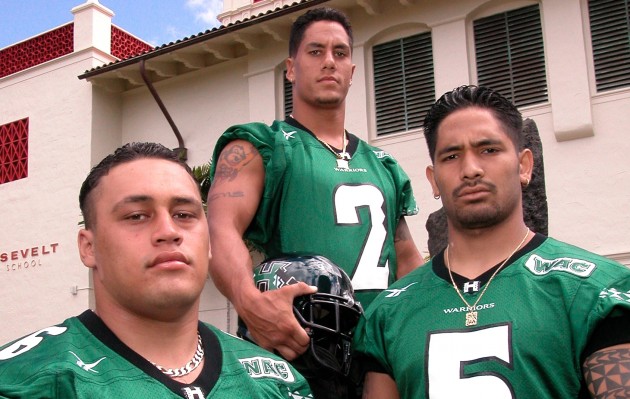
point(203, 37)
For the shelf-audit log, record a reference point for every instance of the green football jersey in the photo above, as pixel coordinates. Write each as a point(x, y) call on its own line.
point(312, 206)
point(535, 321)
point(82, 358)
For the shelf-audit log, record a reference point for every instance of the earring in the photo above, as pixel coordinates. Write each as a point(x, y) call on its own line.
point(525, 183)
point(437, 197)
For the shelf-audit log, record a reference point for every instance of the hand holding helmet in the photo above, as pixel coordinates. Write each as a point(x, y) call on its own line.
point(270, 322)
point(329, 315)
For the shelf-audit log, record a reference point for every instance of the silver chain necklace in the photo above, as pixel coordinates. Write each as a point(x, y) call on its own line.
point(188, 367)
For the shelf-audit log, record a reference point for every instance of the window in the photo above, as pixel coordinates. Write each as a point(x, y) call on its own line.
point(404, 87)
point(510, 55)
point(14, 151)
point(288, 94)
point(610, 36)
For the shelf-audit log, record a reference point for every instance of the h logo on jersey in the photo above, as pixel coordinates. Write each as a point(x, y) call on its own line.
point(193, 393)
point(471, 286)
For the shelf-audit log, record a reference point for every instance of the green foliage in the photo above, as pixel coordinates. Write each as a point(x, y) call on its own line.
point(201, 173)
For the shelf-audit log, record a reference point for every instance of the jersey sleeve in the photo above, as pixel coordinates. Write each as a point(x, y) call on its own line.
point(407, 205)
point(369, 346)
point(263, 138)
point(599, 303)
point(611, 315)
point(258, 134)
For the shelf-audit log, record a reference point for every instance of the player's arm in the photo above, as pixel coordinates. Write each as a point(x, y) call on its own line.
point(232, 202)
point(407, 254)
point(606, 370)
point(379, 386)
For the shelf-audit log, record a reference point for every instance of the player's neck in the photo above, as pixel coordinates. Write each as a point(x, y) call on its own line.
point(169, 343)
point(325, 124)
point(473, 252)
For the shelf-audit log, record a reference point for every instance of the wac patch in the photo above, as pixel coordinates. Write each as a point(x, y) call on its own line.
point(264, 367)
point(540, 266)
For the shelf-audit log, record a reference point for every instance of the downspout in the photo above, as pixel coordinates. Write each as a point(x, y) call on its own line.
point(181, 150)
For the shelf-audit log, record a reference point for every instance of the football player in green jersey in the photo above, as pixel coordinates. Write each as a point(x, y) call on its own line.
point(146, 242)
point(502, 312)
point(306, 185)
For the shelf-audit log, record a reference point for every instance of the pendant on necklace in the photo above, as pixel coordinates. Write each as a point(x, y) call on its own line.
point(342, 163)
point(471, 318)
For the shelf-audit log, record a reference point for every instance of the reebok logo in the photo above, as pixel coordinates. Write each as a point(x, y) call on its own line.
point(394, 292)
point(87, 366)
point(288, 135)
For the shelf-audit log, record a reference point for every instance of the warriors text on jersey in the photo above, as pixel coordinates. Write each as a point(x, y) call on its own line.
point(82, 358)
point(552, 306)
point(312, 206)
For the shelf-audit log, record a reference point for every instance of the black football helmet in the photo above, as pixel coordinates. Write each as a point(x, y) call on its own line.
point(329, 316)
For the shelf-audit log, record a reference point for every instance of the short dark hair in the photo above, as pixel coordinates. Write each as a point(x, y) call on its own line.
point(316, 14)
point(127, 153)
point(474, 96)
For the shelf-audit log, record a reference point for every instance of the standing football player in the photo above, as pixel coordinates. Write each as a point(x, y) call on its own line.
point(306, 185)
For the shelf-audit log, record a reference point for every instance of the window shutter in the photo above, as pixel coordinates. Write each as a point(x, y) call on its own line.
point(510, 55)
point(288, 95)
point(610, 36)
point(403, 83)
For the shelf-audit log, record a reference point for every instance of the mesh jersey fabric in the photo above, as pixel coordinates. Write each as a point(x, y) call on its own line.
point(311, 206)
point(535, 321)
point(82, 358)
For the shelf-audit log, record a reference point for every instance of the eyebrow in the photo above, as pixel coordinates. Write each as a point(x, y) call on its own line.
point(475, 144)
point(135, 199)
point(342, 46)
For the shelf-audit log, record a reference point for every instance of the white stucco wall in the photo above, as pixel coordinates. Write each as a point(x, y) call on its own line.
point(41, 211)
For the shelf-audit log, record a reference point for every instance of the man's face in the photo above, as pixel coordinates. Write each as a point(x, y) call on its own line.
point(322, 68)
point(477, 170)
point(149, 246)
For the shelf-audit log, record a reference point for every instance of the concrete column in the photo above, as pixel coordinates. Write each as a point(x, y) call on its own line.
point(569, 91)
point(92, 26)
point(451, 65)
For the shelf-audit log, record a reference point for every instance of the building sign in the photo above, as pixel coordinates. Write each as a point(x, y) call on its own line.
point(26, 258)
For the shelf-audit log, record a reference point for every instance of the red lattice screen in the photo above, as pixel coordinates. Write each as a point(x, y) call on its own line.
point(124, 45)
point(14, 151)
point(38, 50)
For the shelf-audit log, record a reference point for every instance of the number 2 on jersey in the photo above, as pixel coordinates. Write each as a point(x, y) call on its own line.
point(368, 274)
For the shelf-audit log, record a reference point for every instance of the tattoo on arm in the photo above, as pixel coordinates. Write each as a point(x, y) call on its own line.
point(607, 373)
point(235, 194)
point(233, 158)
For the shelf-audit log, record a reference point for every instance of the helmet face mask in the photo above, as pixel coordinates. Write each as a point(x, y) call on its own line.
point(329, 316)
